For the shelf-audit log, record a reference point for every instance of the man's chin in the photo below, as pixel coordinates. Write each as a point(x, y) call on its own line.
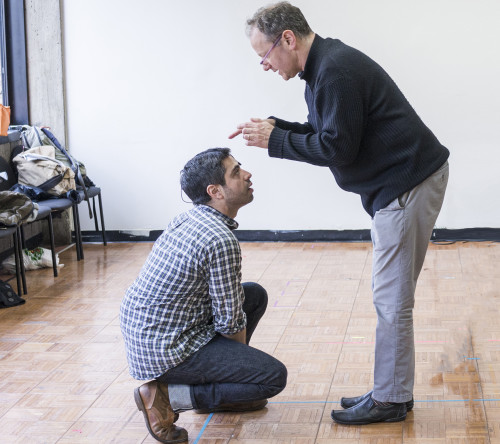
point(285, 77)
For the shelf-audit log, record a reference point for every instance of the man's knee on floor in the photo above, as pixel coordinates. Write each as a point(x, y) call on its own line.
point(279, 380)
point(255, 293)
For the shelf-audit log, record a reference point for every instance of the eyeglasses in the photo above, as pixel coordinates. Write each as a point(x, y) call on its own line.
point(270, 49)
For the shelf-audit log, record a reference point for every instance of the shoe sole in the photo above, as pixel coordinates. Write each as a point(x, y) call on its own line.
point(142, 408)
point(234, 410)
point(398, 419)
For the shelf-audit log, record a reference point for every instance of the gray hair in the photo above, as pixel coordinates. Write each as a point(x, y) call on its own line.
point(272, 20)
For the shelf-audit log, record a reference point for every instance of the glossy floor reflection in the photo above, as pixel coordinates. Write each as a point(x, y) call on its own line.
point(64, 377)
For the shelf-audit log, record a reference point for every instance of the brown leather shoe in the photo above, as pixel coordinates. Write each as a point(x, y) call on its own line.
point(236, 407)
point(152, 400)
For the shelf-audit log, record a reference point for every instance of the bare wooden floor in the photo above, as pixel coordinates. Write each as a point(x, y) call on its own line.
point(64, 377)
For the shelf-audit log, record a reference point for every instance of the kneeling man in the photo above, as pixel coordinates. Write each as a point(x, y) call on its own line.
point(187, 319)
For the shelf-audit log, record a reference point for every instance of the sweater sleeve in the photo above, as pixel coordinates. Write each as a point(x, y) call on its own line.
point(295, 127)
point(337, 110)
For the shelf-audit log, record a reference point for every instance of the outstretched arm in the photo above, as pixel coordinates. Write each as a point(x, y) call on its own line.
point(340, 118)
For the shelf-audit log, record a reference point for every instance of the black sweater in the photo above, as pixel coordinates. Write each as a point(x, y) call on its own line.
point(360, 126)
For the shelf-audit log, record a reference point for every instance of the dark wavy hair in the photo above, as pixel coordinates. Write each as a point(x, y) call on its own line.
point(274, 19)
point(204, 169)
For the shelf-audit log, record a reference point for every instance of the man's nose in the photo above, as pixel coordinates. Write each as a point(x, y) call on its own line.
point(268, 66)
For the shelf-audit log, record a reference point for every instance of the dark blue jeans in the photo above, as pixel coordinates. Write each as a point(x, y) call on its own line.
point(225, 371)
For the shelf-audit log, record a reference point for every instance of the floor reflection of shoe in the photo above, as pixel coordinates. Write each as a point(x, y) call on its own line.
point(347, 403)
point(236, 407)
point(367, 412)
point(153, 401)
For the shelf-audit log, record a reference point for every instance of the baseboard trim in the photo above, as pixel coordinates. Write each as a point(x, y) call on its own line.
point(438, 235)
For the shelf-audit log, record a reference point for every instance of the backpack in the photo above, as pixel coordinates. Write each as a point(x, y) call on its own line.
point(66, 158)
point(33, 136)
point(16, 208)
point(39, 167)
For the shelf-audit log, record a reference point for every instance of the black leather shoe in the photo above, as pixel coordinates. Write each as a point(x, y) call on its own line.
point(347, 403)
point(367, 412)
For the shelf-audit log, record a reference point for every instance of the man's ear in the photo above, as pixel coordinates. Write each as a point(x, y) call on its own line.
point(214, 191)
point(290, 39)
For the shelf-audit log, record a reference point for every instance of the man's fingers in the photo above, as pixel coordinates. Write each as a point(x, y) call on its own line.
point(240, 129)
point(236, 133)
point(252, 125)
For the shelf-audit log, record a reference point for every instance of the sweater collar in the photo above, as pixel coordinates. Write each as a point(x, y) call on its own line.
point(313, 59)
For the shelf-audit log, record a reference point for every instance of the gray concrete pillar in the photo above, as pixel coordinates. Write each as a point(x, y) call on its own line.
point(46, 81)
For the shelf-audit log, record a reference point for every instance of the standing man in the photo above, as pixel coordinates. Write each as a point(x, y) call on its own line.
point(187, 319)
point(360, 126)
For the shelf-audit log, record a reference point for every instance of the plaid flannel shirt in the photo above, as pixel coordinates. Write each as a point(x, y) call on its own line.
point(188, 290)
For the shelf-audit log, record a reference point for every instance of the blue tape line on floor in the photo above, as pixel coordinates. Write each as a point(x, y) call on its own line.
point(203, 428)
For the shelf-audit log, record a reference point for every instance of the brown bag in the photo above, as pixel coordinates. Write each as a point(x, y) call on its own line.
point(38, 167)
point(4, 120)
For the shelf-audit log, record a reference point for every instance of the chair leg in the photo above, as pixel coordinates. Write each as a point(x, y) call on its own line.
point(23, 240)
point(21, 259)
point(52, 244)
point(77, 238)
point(18, 264)
point(101, 212)
point(78, 230)
point(96, 224)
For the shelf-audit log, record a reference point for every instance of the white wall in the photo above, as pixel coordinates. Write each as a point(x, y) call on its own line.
point(151, 83)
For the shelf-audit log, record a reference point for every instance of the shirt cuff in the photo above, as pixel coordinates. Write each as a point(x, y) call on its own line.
point(233, 330)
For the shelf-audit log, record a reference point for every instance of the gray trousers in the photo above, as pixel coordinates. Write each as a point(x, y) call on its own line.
point(400, 235)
